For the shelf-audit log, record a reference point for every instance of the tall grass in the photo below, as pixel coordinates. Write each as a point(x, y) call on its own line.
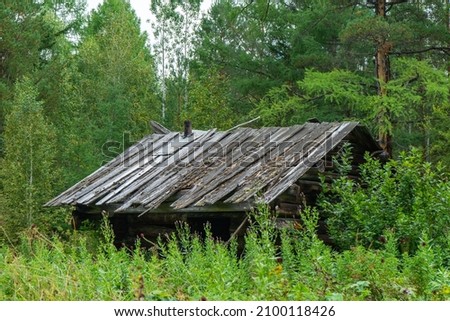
point(287, 265)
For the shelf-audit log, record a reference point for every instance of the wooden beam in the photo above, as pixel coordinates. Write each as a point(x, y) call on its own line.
point(158, 128)
point(165, 208)
point(240, 227)
point(246, 123)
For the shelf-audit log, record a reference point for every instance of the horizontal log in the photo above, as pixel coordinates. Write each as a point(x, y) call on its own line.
point(155, 219)
point(329, 177)
point(331, 172)
point(289, 211)
point(288, 223)
point(165, 208)
point(286, 198)
point(289, 207)
point(311, 184)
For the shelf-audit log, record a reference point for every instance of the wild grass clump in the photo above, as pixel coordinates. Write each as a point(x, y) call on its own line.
point(291, 264)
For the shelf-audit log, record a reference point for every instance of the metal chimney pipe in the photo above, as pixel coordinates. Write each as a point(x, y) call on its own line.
point(187, 128)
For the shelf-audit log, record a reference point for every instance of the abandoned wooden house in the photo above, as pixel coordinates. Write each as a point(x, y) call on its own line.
point(214, 176)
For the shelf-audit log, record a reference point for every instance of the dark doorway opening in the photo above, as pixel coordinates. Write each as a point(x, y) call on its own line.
point(220, 226)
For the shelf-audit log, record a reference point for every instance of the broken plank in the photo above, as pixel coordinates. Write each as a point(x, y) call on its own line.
point(272, 170)
point(293, 174)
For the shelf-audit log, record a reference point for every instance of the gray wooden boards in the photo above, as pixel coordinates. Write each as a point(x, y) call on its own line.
point(210, 167)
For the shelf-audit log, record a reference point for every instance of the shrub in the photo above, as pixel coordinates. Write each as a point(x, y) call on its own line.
point(406, 196)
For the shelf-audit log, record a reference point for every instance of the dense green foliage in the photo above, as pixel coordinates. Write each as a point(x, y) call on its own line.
point(406, 197)
point(116, 73)
point(188, 268)
point(28, 171)
point(84, 90)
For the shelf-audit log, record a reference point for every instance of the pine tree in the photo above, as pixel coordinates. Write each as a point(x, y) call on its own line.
point(29, 33)
point(261, 44)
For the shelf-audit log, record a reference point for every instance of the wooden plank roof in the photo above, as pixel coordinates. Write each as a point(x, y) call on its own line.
point(233, 166)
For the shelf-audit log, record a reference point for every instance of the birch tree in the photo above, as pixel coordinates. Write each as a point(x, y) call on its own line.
point(174, 29)
point(28, 173)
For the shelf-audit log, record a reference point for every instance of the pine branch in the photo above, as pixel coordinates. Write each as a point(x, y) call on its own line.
point(267, 11)
point(245, 7)
point(395, 2)
point(49, 44)
point(445, 50)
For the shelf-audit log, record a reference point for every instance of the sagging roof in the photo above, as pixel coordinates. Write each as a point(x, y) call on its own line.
point(210, 166)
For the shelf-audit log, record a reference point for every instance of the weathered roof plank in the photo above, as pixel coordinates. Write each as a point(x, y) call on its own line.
point(280, 163)
point(161, 177)
point(148, 173)
point(121, 172)
point(249, 165)
point(314, 155)
point(210, 167)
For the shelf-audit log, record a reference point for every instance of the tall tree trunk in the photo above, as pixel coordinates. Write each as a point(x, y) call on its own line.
point(447, 12)
point(186, 58)
point(383, 76)
point(163, 84)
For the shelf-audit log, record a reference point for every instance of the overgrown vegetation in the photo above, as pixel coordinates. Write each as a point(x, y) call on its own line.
point(185, 267)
